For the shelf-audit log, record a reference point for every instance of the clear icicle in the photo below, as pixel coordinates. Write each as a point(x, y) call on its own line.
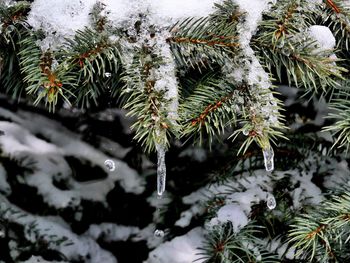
point(268, 158)
point(161, 170)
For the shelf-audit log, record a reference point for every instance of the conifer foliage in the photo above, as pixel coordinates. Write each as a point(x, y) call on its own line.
point(204, 78)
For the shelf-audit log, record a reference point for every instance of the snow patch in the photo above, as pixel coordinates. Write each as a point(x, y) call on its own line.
point(323, 35)
point(48, 159)
point(57, 236)
point(5, 188)
point(110, 232)
point(59, 19)
point(230, 213)
point(182, 249)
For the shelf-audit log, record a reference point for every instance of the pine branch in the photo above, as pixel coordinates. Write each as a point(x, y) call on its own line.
point(336, 16)
point(284, 46)
point(209, 109)
point(12, 21)
point(145, 102)
point(341, 115)
point(224, 245)
point(96, 61)
point(45, 80)
point(204, 41)
point(323, 233)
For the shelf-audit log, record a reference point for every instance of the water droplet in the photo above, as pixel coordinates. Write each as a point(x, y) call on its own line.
point(271, 202)
point(159, 233)
point(268, 158)
point(108, 74)
point(161, 170)
point(110, 165)
point(245, 132)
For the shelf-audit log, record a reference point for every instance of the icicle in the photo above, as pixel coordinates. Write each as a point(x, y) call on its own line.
point(110, 165)
point(161, 170)
point(159, 233)
point(268, 158)
point(271, 201)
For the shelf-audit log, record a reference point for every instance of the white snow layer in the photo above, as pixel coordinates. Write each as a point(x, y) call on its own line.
point(163, 12)
point(37, 228)
point(5, 188)
point(111, 232)
point(38, 259)
point(182, 249)
point(230, 213)
point(253, 10)
point(323, 35)
point(59, 19)
point(48, 159)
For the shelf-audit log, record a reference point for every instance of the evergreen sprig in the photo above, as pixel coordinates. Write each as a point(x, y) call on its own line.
point(223, 244)
point(103, 58)
point(324, 232)
point(285, 47)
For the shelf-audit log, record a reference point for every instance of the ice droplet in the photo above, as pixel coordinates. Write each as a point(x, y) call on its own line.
point(268, 158)
point(159, 233)
point(271, 202)
point(108, 74)
point(245, 132)
point(161, 170)
point(110, 165)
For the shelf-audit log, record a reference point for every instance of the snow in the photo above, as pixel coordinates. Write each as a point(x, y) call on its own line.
point(251, 72)
point(111, 232)
point(6, 2)
point(37, 228)
point(5, 188)
point(163, 12)
point(196, 153)
point(48, 159)
point(230, 213)
point(59, 19)
point(165, 76)
point(323, 35)
point(186, 216)
point(181, 9)
point(35, 259)
point(253, 10)
point(182, 249)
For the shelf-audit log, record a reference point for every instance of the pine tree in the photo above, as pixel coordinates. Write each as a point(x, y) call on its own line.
point(207, 80)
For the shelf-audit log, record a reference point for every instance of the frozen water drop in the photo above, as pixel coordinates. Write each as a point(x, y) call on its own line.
point(108, 74)
point(271, 202)
point(161, 170)
point(110, 165)
point(159, 233)
point(268, 158)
